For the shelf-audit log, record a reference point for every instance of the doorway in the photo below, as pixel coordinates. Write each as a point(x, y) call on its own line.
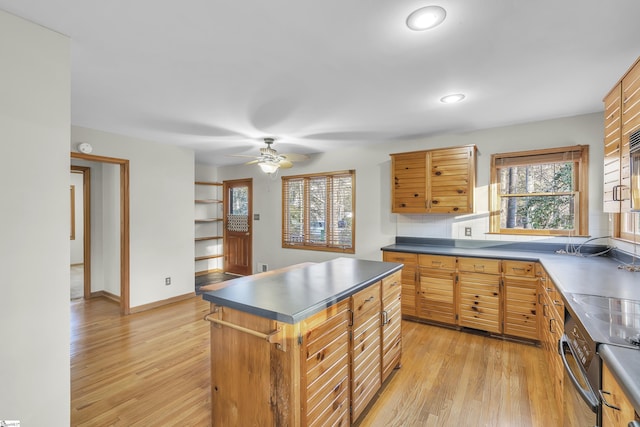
point(238, 234)
point(124, 227)
point(81, 232)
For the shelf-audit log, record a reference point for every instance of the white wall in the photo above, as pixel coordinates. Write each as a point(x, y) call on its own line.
point(34, 247)
point(161, 212)
point(376, 226)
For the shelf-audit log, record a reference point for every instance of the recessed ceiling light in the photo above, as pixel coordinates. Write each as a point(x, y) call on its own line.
point(426, 17)
point(452, 99)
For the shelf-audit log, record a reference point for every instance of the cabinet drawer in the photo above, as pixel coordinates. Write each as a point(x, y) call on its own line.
point(365, 300)
point(519, 268)
point(402, 257)
point(391, 285)
point(441, 262)
point(479, 265)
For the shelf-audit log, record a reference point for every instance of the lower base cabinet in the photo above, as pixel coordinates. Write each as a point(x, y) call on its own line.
point(618, 411)
point(322, 371)
point(480, 301)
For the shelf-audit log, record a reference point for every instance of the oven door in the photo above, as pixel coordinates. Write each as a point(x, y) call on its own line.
point(581, 405)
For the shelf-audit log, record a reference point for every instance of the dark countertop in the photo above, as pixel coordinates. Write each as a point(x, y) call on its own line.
point(624, 364)
point(292, 295)
point(572, 274)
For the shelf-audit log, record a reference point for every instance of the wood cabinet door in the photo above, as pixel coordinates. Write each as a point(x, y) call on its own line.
point(451, 180)
point(520, 307)
point(617, 410)
point(408, 279)
point(409, 182)
point(612, 147)
point(630, 124)
point(391, 332)
point(437, 297)
point(324, 355)
point(479, 301)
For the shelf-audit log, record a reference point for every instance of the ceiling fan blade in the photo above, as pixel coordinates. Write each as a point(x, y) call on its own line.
point(294, 157)
point(242, 155)
point(252, 162)
point(285, 164)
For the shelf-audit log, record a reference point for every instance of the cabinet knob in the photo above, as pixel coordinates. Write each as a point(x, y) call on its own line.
point(435, 202)
point(456, 209)
point(415, 195)
point(460, 191)
point(438, 173)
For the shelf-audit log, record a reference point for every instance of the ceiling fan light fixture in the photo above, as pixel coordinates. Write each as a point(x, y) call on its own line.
point(426, 18)
point(453, 98)
point(268, 166)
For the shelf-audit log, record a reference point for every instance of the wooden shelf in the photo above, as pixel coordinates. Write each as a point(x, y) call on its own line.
point(200, 239)
point(208, 201)
point(208, 183)
point(208, 220)
point(202, 258)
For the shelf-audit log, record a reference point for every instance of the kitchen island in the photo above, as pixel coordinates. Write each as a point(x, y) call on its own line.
point(302, 346)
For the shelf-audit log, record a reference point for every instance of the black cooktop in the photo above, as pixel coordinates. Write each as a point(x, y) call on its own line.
point(609, 320)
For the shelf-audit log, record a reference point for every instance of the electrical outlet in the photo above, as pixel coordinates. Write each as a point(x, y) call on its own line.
point(467, 231)
point(262, 267)
point(167, 281)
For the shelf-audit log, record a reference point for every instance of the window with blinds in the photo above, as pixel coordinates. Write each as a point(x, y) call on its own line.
point(318, 211)
point(540, 192)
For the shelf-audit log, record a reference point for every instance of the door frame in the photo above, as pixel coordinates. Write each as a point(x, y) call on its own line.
point(125, 307)
point(226, 185)
point(85, 171)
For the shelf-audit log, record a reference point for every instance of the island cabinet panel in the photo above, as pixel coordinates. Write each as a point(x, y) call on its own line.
point(239, 359)
point(366, 365)
point(479, 301)
point(325, 367)
point(408, 275)
point(391, 324)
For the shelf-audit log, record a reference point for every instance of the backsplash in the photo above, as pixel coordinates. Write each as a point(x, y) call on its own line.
point(453, 227)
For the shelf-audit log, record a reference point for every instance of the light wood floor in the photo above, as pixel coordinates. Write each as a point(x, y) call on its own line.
point(151, 369)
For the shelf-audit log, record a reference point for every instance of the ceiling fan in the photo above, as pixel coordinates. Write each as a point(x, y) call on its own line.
point(270, 161)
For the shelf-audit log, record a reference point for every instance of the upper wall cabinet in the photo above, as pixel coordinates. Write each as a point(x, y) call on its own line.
point(621, 119)
point(434, 181)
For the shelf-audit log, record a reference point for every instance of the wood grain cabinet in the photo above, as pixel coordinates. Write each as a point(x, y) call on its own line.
point(409, 272)
point(520, 299)
point(617, 410)
point(436, 288)
point(621, 119)
point(366, 362)
point(434, 181)
point(479, 287)
point(391, 323)
point(325, 367)
point(551, 328)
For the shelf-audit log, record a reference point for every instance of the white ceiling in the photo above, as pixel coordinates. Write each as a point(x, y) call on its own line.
point(219, 75)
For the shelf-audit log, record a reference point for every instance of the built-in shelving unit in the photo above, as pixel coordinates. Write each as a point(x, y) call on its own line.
point(209, 233)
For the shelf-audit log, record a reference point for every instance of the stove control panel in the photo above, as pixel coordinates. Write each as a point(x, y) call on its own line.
point(580, 345)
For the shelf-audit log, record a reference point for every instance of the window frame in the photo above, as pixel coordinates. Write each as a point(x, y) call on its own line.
point(580, 156)
point(328, 246)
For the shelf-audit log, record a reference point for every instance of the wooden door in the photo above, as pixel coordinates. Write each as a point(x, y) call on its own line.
point(238, 215)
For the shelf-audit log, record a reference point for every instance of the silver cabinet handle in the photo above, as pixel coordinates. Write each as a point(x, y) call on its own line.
point(604, 400)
